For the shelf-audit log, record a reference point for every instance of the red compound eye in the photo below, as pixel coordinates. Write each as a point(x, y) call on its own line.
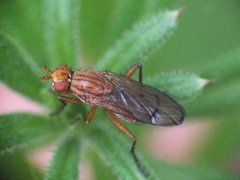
point(61, 86)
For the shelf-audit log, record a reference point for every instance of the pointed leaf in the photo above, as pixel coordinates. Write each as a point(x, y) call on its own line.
point(100, 170)
point(62, 31)
point(124, 14)
point(9, 162)
point(180, 85)
point(18, 69)
point(24, 22)
point(145, 37)
point(116, 155)
point(114, 149)
point(21, 130)
point(64, 164)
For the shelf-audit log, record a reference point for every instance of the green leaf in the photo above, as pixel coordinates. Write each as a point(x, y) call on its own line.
point(64, 164)
point(19, 131)
point(124, 15)
point(17, 166)
point(219, 99)
point(113, 154)
point(180, 85)
point(114, 149)
point(62, 32)
point(146, 37)
point(19, 70)
point(101, 171)
point(170, 171)
point(94, 26)
point(223, 67)
point(23, 21)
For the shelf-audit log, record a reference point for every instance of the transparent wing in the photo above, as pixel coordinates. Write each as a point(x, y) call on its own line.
point(137, 102)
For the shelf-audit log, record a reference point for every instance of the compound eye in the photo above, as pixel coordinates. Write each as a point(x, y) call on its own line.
point(60, 86)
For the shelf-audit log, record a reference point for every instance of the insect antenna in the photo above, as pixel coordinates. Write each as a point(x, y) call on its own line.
point(45, 78)
point(47, 71)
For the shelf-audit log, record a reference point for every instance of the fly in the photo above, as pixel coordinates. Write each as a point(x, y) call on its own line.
point(119, 95)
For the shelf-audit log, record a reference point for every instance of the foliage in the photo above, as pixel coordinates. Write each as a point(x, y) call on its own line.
point(35, 34)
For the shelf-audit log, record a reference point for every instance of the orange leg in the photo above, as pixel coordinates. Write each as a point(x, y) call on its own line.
point(120, 125)
point(91, 114)
point(69, 100)
point(64, 100)
point(125, 130)
point(133, 69)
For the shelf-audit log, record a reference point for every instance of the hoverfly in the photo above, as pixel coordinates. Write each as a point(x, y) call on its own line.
point(121, 97)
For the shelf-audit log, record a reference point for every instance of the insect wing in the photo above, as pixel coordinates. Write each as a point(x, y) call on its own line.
point(142, 103)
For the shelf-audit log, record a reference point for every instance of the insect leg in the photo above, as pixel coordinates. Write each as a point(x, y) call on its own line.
point(133, 69)
point(69, 100)
point(91, 114)
point(120, 125)
point(64, 100)
point(125, 130)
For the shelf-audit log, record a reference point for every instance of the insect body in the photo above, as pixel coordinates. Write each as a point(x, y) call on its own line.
point(119, 95)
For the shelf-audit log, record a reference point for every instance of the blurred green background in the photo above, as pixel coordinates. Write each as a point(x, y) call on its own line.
point(206, 42)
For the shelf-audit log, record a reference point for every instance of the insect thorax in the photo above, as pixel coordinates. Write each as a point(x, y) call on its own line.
point(90, 85)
